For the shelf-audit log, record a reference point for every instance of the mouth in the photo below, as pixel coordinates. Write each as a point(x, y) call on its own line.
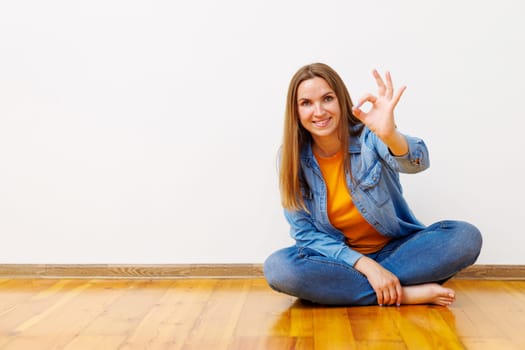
point(322, 123)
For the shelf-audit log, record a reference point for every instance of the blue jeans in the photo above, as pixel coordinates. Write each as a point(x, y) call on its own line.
point(434, 254)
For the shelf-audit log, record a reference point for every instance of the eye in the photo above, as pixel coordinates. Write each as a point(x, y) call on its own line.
point(304, 103)
point(329, 98)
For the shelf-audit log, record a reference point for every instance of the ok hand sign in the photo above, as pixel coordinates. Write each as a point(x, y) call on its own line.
point(380, 118)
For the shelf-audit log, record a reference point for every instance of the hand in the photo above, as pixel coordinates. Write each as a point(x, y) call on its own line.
point(386, 285)
point(380, 118)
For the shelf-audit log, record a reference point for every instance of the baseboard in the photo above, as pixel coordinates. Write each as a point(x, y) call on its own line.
point(493, 272)
point(173, 271)
point(131, 271)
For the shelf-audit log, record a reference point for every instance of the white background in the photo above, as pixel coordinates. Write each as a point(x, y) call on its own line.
point(147, 131)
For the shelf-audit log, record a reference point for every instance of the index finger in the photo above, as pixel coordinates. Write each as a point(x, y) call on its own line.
point(366, 98)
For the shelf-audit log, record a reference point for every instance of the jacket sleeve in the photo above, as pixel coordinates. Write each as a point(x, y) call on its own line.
point(307, 235)
point(415, 161)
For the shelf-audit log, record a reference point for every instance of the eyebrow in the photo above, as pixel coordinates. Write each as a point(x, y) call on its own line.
point(324, 95)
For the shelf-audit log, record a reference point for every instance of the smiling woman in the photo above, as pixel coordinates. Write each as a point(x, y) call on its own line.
point(357, 241)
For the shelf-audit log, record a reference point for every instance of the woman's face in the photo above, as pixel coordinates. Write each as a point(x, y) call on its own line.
point(318, 108)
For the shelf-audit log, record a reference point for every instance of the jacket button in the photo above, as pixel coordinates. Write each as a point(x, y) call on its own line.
point(364, 210)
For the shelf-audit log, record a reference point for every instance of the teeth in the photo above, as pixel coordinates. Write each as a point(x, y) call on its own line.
point(322, 123)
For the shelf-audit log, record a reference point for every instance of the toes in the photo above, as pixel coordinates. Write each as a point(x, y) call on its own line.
point(444, 301)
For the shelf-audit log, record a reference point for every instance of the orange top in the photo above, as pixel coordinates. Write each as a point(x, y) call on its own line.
point(343, 214)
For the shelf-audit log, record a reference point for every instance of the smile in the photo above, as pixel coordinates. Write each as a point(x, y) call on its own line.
point(322, 123)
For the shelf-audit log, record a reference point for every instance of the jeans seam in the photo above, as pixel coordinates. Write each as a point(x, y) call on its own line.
point(335, 263)
point(331, 263)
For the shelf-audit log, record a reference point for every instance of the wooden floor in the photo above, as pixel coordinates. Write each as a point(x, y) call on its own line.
point(246, 314)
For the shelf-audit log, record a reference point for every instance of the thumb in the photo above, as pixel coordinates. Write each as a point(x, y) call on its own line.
point(366, 98)
point(357, 111)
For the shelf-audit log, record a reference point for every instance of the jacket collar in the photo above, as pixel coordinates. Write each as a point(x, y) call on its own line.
point(354, 146)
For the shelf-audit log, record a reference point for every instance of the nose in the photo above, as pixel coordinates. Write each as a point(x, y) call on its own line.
point(318, 109)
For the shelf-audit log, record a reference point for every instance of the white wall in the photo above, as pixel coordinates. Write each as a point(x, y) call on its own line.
point(146, 131)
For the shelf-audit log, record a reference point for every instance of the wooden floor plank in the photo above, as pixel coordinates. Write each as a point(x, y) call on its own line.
point(301, 319)
point(414, 325)
point(63, 321)
point(490, 344)
point(115, 324)
point(216, 324)
point(469, 318)
point(246, 314)
point(32, 310)
point(494, 316)
point(269, 321)
point(168, 323)
point(264, 313)
point(16, 293)
point(384, 332)
point(332, 329)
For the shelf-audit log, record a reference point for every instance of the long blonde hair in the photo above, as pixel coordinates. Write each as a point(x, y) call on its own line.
point(296, 137)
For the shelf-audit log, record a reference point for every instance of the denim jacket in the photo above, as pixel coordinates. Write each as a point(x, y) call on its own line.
point(375, 190)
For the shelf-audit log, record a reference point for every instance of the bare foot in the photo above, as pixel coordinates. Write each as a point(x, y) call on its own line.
point(429, 293)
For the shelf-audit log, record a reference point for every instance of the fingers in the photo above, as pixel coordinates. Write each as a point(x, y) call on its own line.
point(386, 297)
point(393, 293)
point(399, 290)
point(389, 85)
point(379, 81)
point(380, 299)
point(397, 96)
point(366, 98)
point(387, 89)
point(385, 284)
point(356, 110)
point(390, 294)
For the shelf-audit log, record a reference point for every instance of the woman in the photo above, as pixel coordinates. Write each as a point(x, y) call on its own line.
point(357, 241)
